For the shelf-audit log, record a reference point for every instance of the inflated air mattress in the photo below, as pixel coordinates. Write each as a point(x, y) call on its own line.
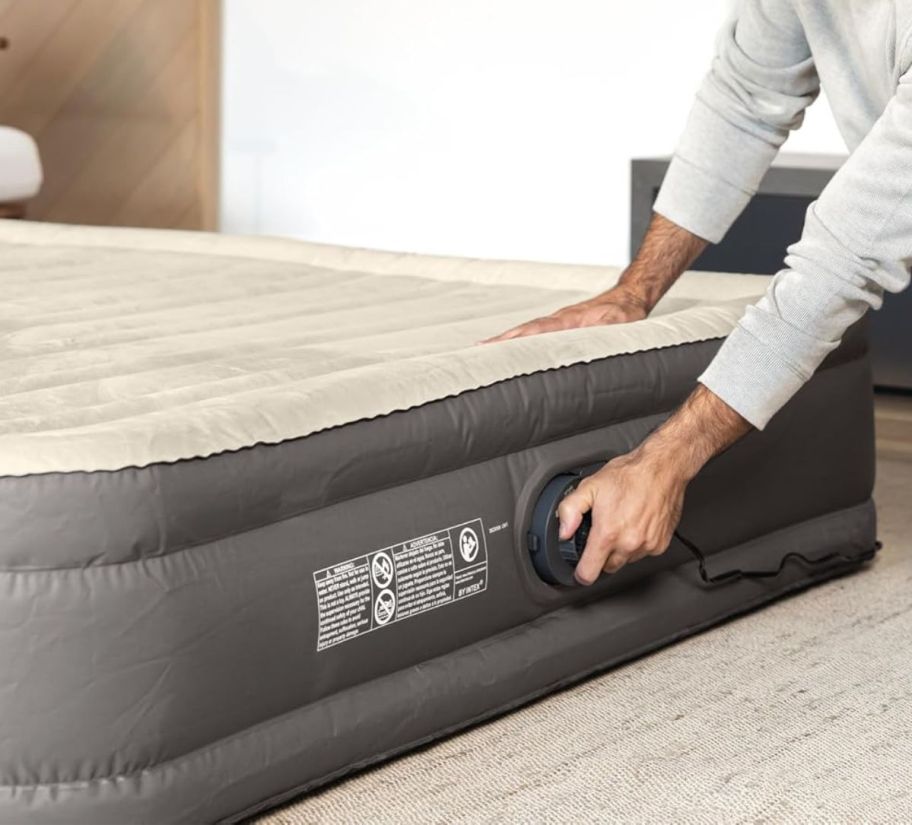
point(264, 507)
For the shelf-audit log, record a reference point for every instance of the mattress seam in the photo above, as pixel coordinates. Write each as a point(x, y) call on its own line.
point(371, 491)
point(261, 442)
point(264, 443)
point(334, 427)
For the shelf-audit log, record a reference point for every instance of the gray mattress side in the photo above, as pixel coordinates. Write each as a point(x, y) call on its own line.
point(180, 676)
point(261, 765)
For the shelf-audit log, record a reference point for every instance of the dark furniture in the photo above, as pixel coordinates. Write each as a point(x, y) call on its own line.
point(758, 240)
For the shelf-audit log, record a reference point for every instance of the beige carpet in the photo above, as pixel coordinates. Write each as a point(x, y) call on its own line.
point(799, 713)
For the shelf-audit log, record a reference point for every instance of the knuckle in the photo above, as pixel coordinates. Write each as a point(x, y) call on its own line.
point(603, 528)
point(614, 564)
point(584, 492)
point(567, 507)
point(571, 505)
point(651, 543)
point(584, 485)
point(618, 558)
point(629, 542)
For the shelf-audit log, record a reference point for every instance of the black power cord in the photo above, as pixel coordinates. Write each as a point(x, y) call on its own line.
point(736, 574)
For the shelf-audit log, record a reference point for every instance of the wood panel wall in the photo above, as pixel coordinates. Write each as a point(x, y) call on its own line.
point(122, 97)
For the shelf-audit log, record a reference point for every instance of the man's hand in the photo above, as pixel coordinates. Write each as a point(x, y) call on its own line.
point(636, 499)
point(636, 502)
point(667, 250)
point(619, 305)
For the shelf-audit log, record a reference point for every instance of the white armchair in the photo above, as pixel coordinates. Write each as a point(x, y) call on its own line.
point(20, 171)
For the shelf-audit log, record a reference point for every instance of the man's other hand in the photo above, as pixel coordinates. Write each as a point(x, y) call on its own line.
point(619, 305)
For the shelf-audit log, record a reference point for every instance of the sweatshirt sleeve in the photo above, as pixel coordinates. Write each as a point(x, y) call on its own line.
point(856, 244)
point(762, 79)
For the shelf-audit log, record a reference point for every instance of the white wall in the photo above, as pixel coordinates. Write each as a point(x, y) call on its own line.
point(498, 128)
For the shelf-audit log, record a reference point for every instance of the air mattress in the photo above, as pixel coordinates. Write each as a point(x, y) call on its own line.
point(264, 507)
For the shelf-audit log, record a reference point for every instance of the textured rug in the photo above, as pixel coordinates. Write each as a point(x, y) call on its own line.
point(799, 713)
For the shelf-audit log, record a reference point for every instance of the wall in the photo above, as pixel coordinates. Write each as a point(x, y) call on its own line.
point(499, 128)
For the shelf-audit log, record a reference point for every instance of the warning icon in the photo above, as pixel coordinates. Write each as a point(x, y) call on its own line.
point(468, 544)
point(382, 570)
point(384, 606)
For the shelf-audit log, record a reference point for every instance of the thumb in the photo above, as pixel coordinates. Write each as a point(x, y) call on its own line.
point(571, 511)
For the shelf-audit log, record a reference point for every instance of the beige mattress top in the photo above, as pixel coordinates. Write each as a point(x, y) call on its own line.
point(122, 348)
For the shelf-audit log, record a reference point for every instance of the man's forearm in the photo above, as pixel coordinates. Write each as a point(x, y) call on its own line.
point(703, 427)
point(666, 252)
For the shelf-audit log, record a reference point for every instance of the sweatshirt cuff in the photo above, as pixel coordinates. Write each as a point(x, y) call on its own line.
point(699, 201)
point(751, 377)
point(716, 169)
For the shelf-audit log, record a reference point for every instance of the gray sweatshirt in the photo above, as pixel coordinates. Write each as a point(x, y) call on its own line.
point(857, 240)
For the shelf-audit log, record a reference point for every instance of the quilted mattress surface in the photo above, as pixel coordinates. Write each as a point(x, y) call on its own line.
point(125, 348)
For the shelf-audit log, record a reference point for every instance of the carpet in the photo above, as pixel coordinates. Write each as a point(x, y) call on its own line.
point(798, 713)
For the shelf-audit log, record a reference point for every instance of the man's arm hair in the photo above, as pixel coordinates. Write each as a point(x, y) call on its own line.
point(666, 252)
point(703, 426)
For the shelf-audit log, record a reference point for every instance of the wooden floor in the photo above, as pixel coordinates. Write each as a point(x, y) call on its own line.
point(893, 416)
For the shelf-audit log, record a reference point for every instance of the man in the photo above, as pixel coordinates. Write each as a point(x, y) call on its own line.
point(857, 243)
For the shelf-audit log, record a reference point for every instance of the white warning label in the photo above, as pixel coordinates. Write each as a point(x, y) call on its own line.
point(391, 584)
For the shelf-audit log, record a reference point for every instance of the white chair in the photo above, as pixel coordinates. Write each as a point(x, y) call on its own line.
point(20, 171)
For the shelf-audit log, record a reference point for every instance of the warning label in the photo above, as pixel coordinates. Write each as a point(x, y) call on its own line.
point(391, 584)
